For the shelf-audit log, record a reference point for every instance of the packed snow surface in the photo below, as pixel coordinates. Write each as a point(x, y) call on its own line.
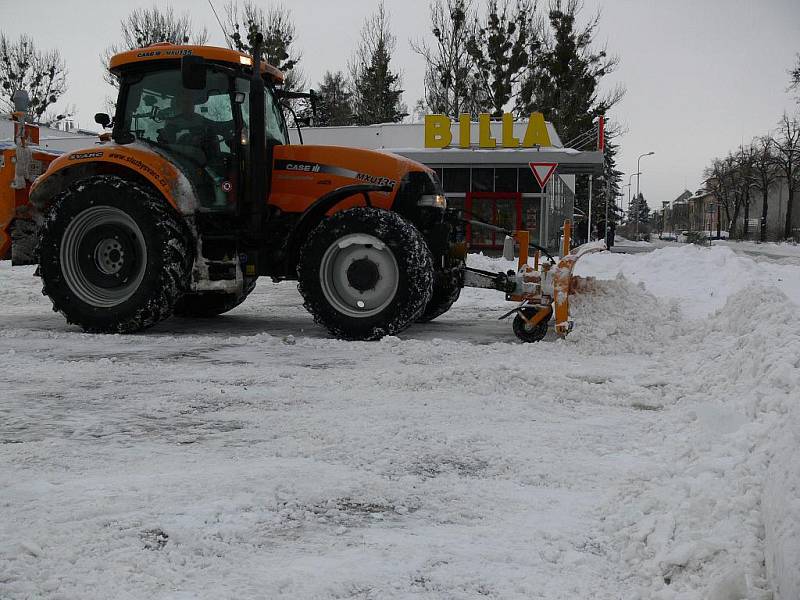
point(251, 456)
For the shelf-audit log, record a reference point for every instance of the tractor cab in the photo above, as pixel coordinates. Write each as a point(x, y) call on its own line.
point(195, 108)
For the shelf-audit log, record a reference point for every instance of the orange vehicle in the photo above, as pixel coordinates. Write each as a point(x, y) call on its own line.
point(197, 192)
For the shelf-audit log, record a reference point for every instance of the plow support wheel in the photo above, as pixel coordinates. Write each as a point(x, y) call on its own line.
point(563, 284)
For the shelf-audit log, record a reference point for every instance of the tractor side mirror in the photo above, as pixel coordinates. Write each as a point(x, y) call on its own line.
point(102, 119)
point(193, 72)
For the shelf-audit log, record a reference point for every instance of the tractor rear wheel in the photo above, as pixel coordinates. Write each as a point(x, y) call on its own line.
point(365, 273)
point(114, 256)
point(205, 305)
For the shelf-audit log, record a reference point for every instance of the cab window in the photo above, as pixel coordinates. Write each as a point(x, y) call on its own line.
point(275, 125)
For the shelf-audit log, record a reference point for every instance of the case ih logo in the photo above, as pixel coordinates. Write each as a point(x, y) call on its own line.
point(306, 167)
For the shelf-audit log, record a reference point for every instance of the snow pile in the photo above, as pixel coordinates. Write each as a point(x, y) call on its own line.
point(702, 279)
point(781, 507)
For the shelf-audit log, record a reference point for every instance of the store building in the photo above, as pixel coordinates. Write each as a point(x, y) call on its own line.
point(485, 169)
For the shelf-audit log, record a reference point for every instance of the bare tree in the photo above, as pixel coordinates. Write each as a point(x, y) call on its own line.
point(794, 78)
point(787, 161)
point(451, 86)
point(278, 30)
point(720, 179)
point(43, 75)
point(764, 177)
point(145, 26)
point(744, 182)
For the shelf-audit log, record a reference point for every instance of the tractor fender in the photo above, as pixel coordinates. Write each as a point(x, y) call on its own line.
point(132, 161)
point(314, 214)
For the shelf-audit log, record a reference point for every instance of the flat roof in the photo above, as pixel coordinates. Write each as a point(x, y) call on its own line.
point(407, 139)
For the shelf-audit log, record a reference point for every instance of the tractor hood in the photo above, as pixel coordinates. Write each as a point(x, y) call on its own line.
point(303, 173)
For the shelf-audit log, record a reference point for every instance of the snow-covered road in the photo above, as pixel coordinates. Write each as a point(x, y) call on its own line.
point(252, 457)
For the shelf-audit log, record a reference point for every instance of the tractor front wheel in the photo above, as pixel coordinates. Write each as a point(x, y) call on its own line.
point(365, 273)
point(114, 256)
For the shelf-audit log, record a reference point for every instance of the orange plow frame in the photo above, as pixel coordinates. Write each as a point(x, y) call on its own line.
point(547, 288)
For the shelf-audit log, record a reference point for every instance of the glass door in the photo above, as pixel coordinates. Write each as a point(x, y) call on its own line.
point(502, 209)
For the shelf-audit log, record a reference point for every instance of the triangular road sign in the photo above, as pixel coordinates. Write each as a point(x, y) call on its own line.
point(543, 172)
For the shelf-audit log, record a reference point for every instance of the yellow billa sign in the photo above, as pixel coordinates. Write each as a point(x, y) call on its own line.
point(439, 133)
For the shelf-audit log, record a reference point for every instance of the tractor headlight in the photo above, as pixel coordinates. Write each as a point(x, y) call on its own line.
point(433, 201)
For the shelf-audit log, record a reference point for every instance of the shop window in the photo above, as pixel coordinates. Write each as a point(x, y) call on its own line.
point(482, 180)
point(527, 182)
point(505, 180)
point(455, 181)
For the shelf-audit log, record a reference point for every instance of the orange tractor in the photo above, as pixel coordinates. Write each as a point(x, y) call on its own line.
point(196, 193)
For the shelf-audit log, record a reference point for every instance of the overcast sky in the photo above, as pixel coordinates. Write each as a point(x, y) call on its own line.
point(702, 76)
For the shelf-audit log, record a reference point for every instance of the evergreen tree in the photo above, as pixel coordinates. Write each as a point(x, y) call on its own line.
point(334, 101)
point(276, 26)
point(145, 26)
point(451, 87)
point(499, 47)
point(639, 210)
point(562, 82)
point(374, 86)
point(42, 75)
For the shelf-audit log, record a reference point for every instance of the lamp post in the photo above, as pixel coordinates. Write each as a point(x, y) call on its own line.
point(638, 176)
point(622, 195)
point(629, 193)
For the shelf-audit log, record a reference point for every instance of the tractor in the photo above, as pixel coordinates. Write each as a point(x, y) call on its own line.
point(196, 192)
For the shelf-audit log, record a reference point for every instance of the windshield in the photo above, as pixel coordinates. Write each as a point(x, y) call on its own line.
point(159, 110)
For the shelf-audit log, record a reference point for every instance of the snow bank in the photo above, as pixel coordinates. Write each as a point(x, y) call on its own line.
point(702, 279)
point(781, 508)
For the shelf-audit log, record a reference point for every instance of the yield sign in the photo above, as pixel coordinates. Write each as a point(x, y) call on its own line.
point(543, 172)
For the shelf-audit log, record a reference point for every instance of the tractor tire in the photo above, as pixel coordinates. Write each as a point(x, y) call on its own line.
point(446, 290)
point(525, 332)
point(205, 305)
point(114, 257)
point(365, 273)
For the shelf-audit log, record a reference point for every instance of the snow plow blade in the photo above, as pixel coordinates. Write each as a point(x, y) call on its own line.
point(565, 283)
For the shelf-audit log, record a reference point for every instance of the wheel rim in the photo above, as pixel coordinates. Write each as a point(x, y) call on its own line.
point(103, 256)
point(359, 275)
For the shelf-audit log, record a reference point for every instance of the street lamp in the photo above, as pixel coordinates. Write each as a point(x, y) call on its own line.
point(629, 191)
point(626, 185)
point(638, 176)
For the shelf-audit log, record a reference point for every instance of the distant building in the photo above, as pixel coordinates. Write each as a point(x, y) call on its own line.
point(51, 138)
